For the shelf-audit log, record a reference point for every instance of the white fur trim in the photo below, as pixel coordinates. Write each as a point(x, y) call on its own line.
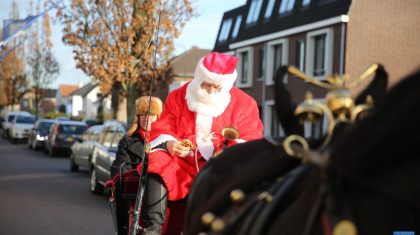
point(240, 141)
point(206, 150)
point(204, 75)
point(203, 124)
point(160, 139)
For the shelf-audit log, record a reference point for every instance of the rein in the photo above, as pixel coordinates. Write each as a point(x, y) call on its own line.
point(135, 227)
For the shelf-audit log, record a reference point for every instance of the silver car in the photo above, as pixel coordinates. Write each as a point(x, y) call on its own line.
point(103, 156)
point(82, 149)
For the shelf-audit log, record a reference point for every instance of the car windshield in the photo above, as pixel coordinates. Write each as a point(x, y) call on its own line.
point(10, 118)
point(25, 119)
point(72, 129)
point(44, 126)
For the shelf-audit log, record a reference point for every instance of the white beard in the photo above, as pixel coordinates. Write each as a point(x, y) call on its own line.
point(200, 101)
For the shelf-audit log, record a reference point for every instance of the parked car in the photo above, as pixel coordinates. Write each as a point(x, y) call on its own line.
point(62, 136)
point(10, 116)
point(21, 127)
point(39, 133)
point(82, 149)
point(104, 154)
point(92, 122)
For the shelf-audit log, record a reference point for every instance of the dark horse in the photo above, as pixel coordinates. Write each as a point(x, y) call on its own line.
point(368, 186)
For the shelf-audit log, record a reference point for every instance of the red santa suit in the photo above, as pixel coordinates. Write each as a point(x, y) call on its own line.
point(187, 115)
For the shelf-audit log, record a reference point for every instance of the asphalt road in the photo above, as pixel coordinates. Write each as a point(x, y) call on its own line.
point(39, 195)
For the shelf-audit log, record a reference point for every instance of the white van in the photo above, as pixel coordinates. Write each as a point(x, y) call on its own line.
point(10, 116)
point(21, 127)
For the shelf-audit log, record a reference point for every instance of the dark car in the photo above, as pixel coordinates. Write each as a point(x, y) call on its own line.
point(39, 133)
point(104, 154)
point(62, 136)
point(82, 149)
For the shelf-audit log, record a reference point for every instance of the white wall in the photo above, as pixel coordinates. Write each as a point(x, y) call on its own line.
point(77, 105)
point(89, 105)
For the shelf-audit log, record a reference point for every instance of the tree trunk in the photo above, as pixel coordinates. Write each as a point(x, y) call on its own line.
point(131, 100)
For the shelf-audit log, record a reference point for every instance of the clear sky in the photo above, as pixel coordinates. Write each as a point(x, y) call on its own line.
point(200, 31)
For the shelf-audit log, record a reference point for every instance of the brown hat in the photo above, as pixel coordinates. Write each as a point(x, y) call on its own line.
point(142, 105)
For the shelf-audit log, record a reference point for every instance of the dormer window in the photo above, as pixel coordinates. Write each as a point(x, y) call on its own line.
point(286, 6)
point(269, 10)
point(237, 25)
point(305, 3)
point(254, 11)
point(224, 32)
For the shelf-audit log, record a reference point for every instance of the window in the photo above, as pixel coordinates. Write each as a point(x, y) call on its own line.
point(300, 55)
point(286, 6)
point(272, 126)
point(319, 53)
point(269, 9)
point(305, 3)
point(237, 25)
point(276, 57)
point(116, 140)
point(224, 32)
point(261, 63)
point(254, 11)
point(107, 139)
point(244, 67)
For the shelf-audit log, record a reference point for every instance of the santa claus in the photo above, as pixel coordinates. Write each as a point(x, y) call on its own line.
point(197, 112)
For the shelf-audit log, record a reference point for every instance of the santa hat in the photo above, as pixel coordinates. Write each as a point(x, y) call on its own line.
point(217, 68)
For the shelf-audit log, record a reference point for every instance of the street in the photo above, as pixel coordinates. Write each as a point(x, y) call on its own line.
point(39, 195)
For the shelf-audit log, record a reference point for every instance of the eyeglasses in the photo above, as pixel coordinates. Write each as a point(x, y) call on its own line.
point(139, 115)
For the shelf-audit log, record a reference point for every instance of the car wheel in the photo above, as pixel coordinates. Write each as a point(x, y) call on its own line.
point(73, 166)
point(95, 187)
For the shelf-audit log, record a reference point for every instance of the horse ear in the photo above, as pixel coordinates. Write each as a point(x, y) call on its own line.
point(284, 104)
point(377, 87)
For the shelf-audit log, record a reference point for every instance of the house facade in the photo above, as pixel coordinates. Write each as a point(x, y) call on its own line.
point(84, 101)
point(63, 99)
point(321, 38)
point(183, 68)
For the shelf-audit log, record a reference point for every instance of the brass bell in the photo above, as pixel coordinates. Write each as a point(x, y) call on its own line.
point(265, 196)
point(237, 195)
point(340, 102)
point(207, 218)
point(218, 226)
point(345, 227)
point(309, 110)
point(230, 133)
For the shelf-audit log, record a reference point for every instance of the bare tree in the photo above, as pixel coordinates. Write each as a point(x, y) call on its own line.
point(43, 66)
point(114, 42)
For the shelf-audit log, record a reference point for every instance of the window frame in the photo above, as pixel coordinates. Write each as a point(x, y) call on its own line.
point(310, 52)
point(248, 83)
point(269, 107)
point(270, 54)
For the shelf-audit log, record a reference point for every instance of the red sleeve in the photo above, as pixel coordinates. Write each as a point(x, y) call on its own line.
point(166, 124)
point(250, 125)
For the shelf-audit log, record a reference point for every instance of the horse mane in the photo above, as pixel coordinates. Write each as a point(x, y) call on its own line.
point(380, 151)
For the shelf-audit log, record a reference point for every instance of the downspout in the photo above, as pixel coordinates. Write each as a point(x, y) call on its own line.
point(342, 47)
point(263, 89)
